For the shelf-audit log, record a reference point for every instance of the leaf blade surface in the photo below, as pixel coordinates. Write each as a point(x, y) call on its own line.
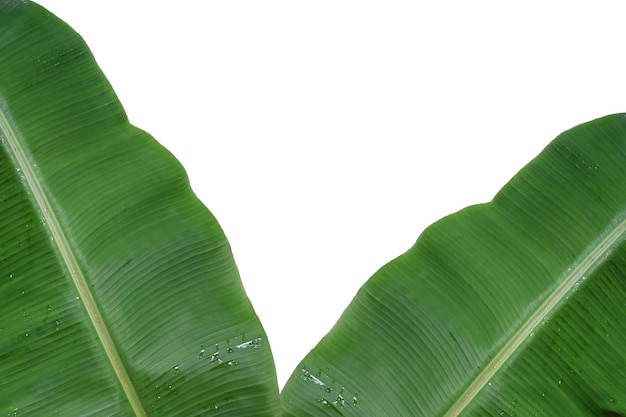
point(432, 331)
point(119, 280)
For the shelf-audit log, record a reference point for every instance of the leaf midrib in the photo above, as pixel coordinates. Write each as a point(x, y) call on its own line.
point(38, 196)
point(578, 274)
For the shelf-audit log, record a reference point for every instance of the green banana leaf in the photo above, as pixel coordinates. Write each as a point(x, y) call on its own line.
point(512, 308)
point(120, 295)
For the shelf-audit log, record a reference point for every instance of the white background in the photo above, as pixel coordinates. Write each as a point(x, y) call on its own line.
point(326, 135)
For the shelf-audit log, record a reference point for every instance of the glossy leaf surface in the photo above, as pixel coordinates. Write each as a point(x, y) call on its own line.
point(119, 292)
point(120, 295)
point(512, 308)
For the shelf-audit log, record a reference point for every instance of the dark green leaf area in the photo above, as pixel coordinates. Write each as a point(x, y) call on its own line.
point(46, 348)
point(455, 325)
point(574, 362)
point(131, 300)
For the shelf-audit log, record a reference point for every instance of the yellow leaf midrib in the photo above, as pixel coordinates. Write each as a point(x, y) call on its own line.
point(38, 196)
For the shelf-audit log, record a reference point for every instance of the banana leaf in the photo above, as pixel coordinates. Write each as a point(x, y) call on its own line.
point(119, 293)
point(512, 308)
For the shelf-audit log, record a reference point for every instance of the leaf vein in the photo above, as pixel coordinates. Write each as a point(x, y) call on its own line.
point(586, 264)
point(30, 180)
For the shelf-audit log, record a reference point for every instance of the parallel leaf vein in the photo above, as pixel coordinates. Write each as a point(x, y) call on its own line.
point(579, 273)
point(33, 184)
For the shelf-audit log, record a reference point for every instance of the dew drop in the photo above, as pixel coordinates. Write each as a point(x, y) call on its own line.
point(176, 369)
point(323, 401)
point(308, 376)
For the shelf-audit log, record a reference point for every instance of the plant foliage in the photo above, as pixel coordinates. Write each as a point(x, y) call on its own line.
point(120, 295)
